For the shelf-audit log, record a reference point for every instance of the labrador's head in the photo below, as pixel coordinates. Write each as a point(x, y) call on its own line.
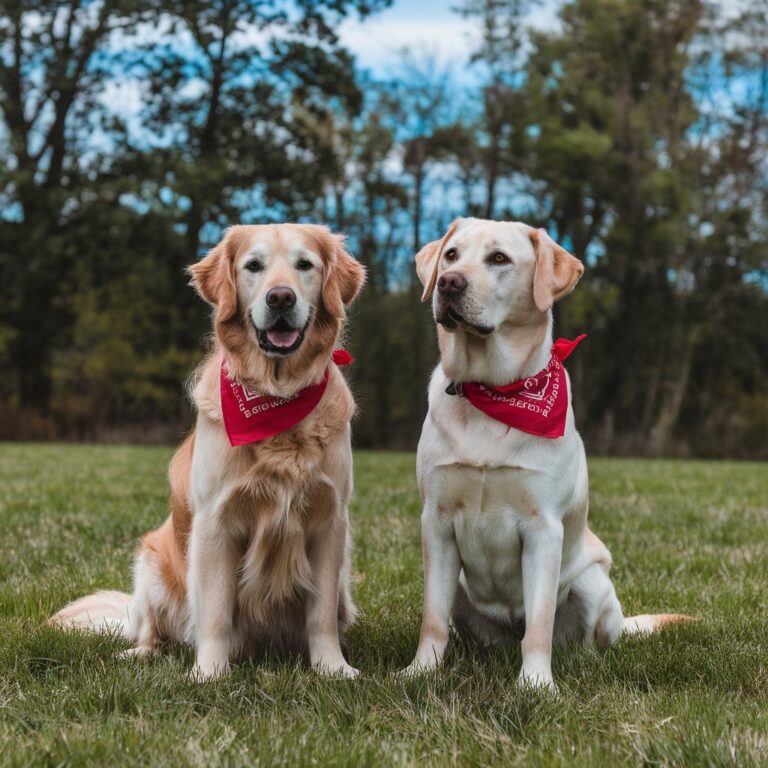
point(278, 285)
point(486, 274)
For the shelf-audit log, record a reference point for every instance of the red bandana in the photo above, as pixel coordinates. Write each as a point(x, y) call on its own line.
point(250, 417)
point(537, 405)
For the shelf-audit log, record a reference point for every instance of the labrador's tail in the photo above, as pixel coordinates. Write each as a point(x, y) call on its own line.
point(652, 622)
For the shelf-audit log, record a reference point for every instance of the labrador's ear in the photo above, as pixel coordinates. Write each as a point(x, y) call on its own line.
point(214, 275)
point(428, 261)
point(344, 276)
point(556, 273)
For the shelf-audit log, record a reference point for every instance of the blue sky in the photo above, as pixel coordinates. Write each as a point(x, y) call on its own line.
point(429, 28)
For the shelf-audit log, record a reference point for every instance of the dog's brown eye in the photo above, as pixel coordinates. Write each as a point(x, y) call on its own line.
point(497, 257)
point(254, 265)
point(304, 265)
point(451, 254)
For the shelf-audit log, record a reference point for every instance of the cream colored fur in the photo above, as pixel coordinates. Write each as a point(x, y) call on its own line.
point(507, 550)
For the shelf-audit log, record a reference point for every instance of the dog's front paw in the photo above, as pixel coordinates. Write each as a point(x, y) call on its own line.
point(210, 666)
point(335, 669)
point(537, 680)
point(202, 673)
point(138, 652)
point(417, 668)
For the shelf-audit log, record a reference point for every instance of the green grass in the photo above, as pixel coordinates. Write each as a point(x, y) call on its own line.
point(686, 536)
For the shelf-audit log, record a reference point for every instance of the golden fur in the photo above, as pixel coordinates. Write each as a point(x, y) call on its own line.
point(276, 507)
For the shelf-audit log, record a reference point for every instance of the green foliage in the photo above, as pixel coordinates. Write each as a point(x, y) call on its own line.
point(636, 143)
point(685, 536)
point(635, 131)
point(393, 341)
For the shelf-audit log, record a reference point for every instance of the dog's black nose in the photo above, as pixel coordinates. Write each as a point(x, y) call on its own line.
point(281, 297)
point(451, 284)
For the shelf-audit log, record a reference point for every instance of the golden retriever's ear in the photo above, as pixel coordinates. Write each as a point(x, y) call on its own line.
point(214, 277)
point(344, 275)
point(428, 261)
point(557, 272)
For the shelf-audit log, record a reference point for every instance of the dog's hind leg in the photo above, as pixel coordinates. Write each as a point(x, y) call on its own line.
point(143, 615)
point(591, 613)
point(347, 611)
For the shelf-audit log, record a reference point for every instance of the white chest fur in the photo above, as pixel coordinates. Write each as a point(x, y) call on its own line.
point(491, 485)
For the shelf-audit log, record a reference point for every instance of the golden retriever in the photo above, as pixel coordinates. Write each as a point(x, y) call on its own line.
point(507, 550)
point(255, 553)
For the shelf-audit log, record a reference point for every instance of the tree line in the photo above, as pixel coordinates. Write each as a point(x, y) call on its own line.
point(635, 131)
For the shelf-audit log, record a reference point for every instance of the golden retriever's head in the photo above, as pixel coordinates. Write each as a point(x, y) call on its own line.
point(486, 274)
point(278, 288)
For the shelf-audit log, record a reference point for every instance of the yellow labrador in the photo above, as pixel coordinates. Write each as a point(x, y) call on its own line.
point(256, 550)
point(507, 550)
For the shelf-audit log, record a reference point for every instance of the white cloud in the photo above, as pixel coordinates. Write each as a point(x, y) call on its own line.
point(428, 25)
point(377, 41)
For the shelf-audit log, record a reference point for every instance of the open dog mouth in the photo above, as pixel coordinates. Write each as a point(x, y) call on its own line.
point(281, 337)
point(450, 319)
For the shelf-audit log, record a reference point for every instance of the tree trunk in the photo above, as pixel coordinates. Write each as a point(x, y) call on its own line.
point(492, 175)
point(193, 222)
point(40, 270)
point(208, 143)
point(32, 364)
point(494, 115)
point(338, 193)
point(38, 273)
point(673, 396)
point(418, 181)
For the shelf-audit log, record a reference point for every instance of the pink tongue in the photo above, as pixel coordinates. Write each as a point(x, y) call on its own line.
point(282, 338)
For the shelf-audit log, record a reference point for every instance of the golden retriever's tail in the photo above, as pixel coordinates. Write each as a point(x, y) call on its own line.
point(652, 622)
point(103, 611)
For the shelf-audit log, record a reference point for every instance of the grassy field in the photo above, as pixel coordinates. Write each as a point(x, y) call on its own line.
point(686, 536)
